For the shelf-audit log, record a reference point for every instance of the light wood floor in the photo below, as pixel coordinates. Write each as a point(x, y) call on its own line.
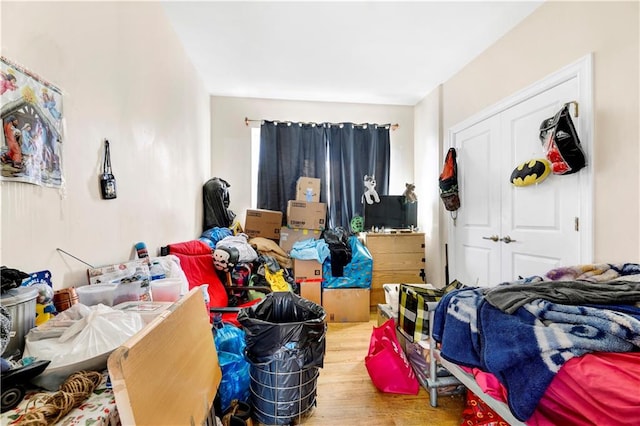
point(346, 395)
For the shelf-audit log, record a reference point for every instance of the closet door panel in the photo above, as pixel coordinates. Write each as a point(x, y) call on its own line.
point(539, 218)
point(478, 218)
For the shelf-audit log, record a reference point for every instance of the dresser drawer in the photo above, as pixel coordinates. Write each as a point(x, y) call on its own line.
point(395, 243)
point(398, 261)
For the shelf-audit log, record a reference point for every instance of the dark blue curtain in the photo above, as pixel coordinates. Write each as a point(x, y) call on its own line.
point(291, 150)
point(355, 151)
point(288, 151)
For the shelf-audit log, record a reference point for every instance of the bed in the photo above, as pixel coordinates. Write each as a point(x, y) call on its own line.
point(561, 349)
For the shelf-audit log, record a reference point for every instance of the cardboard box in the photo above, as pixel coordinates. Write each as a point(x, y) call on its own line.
point(312, 290)
point(307, 270)
point(302, 214)
point(263, 223)
point(288, 236)
point(346, 304)
point(308, 189)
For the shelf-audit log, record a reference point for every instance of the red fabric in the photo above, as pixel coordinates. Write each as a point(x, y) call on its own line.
point(196, 260)
point(595, 389)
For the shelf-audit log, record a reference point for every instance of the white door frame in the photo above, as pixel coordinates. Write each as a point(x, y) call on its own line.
point(582, 70)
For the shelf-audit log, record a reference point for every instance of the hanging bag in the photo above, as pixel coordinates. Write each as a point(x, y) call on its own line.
point(107, 179)
point(449, 182)
point(561, 144)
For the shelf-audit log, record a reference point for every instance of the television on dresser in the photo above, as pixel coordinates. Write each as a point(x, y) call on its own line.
point(393, 212)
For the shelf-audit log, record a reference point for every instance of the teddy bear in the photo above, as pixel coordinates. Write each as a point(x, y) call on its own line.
point(409, 194)
point(370, 194)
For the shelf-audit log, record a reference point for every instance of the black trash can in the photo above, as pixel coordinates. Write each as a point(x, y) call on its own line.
point(285, 336)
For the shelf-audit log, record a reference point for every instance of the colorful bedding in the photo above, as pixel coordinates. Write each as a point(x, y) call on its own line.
point(594, 389)
point(525, 349)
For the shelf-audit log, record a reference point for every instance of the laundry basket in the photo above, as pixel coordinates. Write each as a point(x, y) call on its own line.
point(285, 336)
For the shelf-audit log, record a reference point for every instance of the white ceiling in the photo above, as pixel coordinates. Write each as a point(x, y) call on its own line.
point(364, 52)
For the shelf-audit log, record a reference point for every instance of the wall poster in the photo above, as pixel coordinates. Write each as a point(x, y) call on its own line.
point(31, 136)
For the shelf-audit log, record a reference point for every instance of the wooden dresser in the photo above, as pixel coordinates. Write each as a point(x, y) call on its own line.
point(397, 258)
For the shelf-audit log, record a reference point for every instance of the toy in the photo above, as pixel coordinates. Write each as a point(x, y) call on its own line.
point(45, 308)
point(13, 382)
point(357, 224)
point(370, 194)
point(409, 194)
point(225, 258)
point(530, 172)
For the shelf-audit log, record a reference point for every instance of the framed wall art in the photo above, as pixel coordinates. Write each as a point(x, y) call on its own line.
point(31, 136)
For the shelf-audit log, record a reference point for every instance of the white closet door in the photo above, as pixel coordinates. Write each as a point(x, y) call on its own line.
point(540, 218)
point(504, 232)
point(475, 256)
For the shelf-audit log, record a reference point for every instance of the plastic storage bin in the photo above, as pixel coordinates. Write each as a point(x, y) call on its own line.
point(21, 304)
point(166, 290)
point(96, 293)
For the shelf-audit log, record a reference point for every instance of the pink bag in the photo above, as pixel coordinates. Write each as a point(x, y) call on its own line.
point(387, 364)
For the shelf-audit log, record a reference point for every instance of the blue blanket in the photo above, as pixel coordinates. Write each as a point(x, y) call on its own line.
point(525, 350)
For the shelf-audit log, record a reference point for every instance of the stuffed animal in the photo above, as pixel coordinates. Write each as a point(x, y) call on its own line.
point(45, 309)
point(409, 194)
point(225, 258)
point(370, 194)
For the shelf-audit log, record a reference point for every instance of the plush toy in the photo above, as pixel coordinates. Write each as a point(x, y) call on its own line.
point(409, 194)
point(225, 258)
point(530, 172)
point(370, 194)
point(357, 224)
point(45, 309)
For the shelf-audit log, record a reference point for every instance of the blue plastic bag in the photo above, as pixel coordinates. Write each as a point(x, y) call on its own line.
point(229, 338)
point(235, 381)
point(357, 273)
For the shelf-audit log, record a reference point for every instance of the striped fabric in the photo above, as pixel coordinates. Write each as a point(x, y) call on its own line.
point(413, 313)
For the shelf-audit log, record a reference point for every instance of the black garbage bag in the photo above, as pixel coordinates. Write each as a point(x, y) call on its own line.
point(215, 201)
point(284, 320)
point(285, 337)
point(338, 241)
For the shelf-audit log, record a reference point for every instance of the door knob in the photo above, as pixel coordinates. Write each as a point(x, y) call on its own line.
point(507, 240)
point(493, 238)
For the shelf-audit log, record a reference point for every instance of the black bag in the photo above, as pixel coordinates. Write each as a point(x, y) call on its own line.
point(561, 143)
point(107, 179)
point(449, 182)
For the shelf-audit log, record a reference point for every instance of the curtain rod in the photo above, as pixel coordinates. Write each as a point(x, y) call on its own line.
point(249, 120)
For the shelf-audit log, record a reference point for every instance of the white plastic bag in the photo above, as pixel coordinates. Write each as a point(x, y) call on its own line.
point(81, 343)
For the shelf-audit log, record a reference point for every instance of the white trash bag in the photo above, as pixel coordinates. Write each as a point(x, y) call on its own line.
point(80, 338)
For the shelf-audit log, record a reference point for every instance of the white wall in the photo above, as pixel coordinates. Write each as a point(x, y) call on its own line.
point(427, 165)
point(231, 138)
point(555, 35)
point(124, 77)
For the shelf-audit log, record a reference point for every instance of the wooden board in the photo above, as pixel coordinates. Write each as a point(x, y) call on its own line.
point(168, 373)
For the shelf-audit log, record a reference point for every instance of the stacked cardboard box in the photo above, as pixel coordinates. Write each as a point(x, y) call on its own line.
point(306, 218)
point(263, 223)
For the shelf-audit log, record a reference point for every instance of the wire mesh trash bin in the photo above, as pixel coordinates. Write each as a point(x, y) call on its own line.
point(285, 336)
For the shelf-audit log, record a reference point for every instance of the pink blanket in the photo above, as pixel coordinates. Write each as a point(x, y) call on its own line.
point(594, 389)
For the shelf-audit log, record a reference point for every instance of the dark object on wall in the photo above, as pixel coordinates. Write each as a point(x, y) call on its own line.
point(449, 182)
point(561, 144)
point(107, 179)
point(215, 199)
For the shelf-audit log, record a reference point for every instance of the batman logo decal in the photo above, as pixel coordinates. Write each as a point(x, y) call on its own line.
point(530, 172)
